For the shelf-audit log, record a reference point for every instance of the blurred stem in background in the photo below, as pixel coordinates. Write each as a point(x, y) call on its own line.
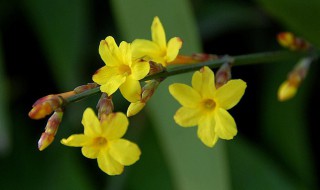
point(4, 103)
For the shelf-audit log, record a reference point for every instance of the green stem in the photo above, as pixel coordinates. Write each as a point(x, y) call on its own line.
point(82, 95)
point(249, 59)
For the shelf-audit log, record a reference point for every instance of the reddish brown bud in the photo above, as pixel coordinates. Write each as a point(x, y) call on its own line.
point(194, 58)
point(45, 106)
point(50, 131)
point(289, 87)
point(201, 57)
point(155, 68)
point(105, 105)
point(86, 87)
point(148, 89)
point(223, 74)
point(289, 40)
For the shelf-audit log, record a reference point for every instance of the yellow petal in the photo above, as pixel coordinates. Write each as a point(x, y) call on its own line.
point(185, 95)
point(124, 151)
point(112, 84)
point(230, 94)
point(203, 82)
point(107, 164)
point(77, 140)
point(113, 48)
point(135, 108)
point(125, 51)
point(91, 123)
point(225, 124)
point(206, 131)
point(187, 117)
point(174, 46)
point(140, 69)
point(102, 75)
point(107, 56)
point(286, 91)
point(131, 90)
point(114, 125)
point(158, 34)
point(144, 49)
point(196, 82)
point(91, 152)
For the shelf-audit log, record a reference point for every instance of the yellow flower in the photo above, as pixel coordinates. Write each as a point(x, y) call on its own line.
point(205, 106)
point(157, 50)
point(120, 71)
point(102, 140)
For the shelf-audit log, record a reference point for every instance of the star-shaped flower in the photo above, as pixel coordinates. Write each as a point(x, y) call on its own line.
point(120, 71)
point(102, 141)
point(157, 50)
point(205, 106)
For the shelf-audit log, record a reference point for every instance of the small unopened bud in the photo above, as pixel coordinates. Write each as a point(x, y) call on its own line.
point(86, 87)
point(201, 57)
point(155, 68)
point(45, 106)
point(105, 105)
point(289, 88)
point(149, 88)
point(147, 91)
point(290, 41)
point(223, 74)
point(194, 58)
point(51, 129)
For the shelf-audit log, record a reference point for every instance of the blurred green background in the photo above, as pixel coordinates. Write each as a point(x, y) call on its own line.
point(49, 47)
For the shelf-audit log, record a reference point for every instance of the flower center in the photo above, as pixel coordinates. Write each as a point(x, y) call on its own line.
point(209, 104)
point(125, 70)
point(100, 141)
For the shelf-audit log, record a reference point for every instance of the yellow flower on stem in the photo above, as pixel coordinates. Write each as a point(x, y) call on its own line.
point(157, 50)
point(120, 71)
point(205, 106)
point(102, 141)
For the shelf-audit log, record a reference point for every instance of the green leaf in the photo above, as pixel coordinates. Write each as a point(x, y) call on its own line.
point(284, 125)
point(191, 164)
point(251, 167)
point(213, 17)
point(62, 30)
point(300, 17)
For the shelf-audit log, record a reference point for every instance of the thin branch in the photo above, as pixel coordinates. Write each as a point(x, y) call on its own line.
point(249, 59)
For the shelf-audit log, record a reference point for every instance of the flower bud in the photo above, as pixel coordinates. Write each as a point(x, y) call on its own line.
point(86, 87)
point(155, 68)
point(147, 91)
point(45, 106)
point(289, 88)
point(51, 129)
point(194, 58)
point(105, 105)
point(289, 40)
point(223, 74)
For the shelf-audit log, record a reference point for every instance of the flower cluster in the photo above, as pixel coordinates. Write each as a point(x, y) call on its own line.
point(127, 65)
